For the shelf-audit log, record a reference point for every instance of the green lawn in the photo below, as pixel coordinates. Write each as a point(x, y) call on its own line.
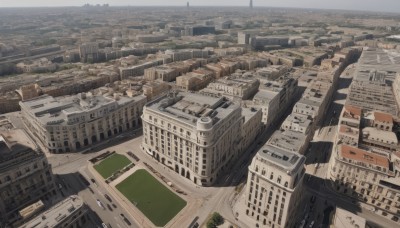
point(112, 164)
point(152, 198)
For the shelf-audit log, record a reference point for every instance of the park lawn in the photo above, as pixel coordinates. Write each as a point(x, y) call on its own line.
point(112, 164)
point(151, 197)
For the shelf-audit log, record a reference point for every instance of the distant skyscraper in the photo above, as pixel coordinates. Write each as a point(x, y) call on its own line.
point(251, 4)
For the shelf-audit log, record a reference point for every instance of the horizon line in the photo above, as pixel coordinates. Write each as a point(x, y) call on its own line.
point(199, 6)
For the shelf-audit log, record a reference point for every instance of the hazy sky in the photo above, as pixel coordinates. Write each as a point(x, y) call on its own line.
point(374, 5)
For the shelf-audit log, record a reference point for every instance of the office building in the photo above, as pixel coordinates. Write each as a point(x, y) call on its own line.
point(197, 136)
point(71, 123)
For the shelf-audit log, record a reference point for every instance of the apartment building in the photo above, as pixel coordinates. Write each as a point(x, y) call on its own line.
point(367, 176)
point(138, 70)
point(195, 135)
point(155, 89)
point(349, 125)
point(274, 190)
point(298, 123)
point(365, 162)
point(89, 52)
point(71, 212)
point(234, 88)
point(274, 97)
point(71, 123)
point(181, 55)
point(375, 83)
point(25, 175)
point(195, 80)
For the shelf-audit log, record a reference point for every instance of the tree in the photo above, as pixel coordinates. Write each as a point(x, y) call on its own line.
point(215, 220)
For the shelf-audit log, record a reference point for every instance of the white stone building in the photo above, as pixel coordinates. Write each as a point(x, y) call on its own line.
point(274, 189)
point(71, 123)
point(195, 135)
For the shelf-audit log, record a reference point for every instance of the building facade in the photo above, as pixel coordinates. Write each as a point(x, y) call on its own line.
point(274, 189)
point(25, 175)
point(195, 135)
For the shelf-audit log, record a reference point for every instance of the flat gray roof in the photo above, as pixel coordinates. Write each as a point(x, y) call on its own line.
point(189, 107)
point(56, 214)
point(287, 140)
point(50, 110)
point(287, 161)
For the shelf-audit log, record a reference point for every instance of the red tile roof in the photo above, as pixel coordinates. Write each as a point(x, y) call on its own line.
point(364, 156)
point(383, 117)
point(353, 110)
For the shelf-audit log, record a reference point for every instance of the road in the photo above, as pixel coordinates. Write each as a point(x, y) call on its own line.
point(68, 166)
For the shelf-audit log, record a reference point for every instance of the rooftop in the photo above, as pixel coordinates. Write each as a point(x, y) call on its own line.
point(345, 218)
point(383, 117)
point(286, 161)
point(50, 110)
point(56, 214)
point(352, 112)
point(287, 140)
point(363, 156)
point(300, 119)
point(190, 108)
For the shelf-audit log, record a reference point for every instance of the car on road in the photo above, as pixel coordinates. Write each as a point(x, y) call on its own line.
point(125, 219)
point(114, 206)
point(91, 190)
point(394, 218)
point(127, 222)
point(100, 204)
point(104, 225)
point(107, 197)
point(311, 224)
point(92, 180)
point(109, 207)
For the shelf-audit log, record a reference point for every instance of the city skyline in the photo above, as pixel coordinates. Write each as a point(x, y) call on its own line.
point(367, 5)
